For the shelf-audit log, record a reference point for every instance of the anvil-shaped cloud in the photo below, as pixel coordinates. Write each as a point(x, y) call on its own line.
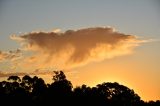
point(74, 48)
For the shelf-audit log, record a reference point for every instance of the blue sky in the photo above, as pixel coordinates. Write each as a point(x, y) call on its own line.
point(128, 16)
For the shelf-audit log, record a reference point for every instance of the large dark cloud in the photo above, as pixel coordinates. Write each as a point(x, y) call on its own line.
point(74, 47)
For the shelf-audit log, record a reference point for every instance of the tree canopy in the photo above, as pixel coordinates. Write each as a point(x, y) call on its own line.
point(33, 91)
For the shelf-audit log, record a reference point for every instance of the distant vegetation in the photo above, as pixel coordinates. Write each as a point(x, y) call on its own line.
point(33, 91)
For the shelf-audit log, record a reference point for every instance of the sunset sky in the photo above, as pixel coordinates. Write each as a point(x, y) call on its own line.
point(93, 41)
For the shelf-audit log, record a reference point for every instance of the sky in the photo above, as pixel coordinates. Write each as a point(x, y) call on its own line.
point(93, 41)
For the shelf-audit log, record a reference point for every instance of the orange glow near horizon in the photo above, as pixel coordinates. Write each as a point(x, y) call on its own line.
point(141, 86)
point(90, 76)
point(129, 72)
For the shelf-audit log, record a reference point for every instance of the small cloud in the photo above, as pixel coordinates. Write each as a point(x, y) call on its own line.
point(7, 74)
point(10, 56)
point(36, 72)
point(56, 30)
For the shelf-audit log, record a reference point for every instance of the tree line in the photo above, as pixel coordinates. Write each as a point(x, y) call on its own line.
point(33, 91)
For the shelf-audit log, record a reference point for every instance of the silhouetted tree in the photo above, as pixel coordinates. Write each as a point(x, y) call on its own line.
point(118, 94)
point(27, 83)
point(59, 76)
point(14, 79)
point(33, 91)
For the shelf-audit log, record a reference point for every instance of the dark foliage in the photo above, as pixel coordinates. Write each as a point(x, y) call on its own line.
point(32, 91)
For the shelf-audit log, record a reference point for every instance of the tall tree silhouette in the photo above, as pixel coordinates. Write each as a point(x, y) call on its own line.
point(27, 83)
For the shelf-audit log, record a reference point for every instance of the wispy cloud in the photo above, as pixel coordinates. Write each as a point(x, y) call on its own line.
point(74, 48)
point(10, 56)
point(7, 74)
point(36, 72)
